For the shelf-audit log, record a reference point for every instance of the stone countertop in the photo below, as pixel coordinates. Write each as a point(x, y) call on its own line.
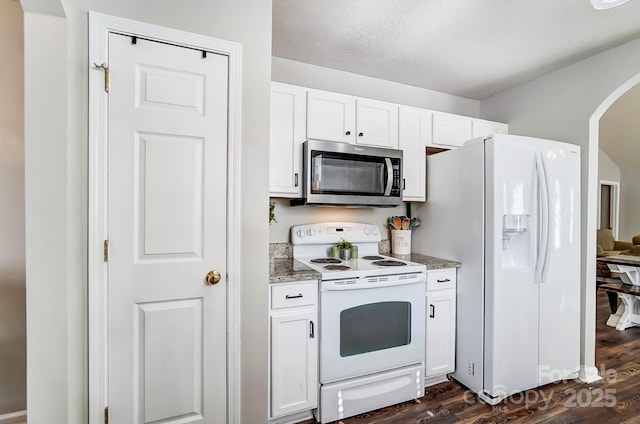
point(282, 270)
point(429, 261)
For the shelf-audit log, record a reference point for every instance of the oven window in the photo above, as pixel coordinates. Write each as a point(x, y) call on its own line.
point(374, 326)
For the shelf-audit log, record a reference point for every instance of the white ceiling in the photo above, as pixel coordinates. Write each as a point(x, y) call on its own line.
point(469, 48)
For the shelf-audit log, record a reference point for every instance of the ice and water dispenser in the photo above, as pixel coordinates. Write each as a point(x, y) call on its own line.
point(516, 245)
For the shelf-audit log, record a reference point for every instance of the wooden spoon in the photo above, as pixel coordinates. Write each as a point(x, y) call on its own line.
point(397, 222)
point(405, 223)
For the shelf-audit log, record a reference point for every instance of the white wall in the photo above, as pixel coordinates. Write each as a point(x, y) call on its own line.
point(559, 106)
point(56, 178)
point(13, 342)
point(321, 78)
point(629, 204)
point(607, 168)
point(306, 75)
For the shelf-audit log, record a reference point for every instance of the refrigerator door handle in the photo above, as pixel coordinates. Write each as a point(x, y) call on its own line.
point(544, 219)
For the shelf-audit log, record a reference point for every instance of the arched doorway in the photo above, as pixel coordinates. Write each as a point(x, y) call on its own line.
point(593, 186)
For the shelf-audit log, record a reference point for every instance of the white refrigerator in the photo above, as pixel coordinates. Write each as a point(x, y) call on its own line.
point(508, 208)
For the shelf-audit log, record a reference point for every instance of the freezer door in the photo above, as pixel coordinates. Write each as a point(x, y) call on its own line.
point(511, 300)
point(559, 332)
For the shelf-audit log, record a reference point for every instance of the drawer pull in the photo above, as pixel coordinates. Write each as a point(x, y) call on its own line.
point(446, 280)
point(295, 296)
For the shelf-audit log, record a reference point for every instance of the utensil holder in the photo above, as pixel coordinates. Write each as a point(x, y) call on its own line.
point(401, 242)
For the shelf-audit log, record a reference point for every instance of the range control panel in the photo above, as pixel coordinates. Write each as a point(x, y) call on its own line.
point(334, 232)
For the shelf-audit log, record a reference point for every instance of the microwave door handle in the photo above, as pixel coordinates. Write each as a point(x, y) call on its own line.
point(387, 190)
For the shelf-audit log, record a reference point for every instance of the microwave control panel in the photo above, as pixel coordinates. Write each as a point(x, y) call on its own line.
point(396, 189)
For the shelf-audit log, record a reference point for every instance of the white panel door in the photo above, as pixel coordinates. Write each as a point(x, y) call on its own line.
point(331, 116)
point(377, 123)
point(414, 135)
point(167, 230)
point(560, 286)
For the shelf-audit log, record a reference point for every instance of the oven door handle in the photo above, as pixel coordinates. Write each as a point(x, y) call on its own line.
point(387, 190)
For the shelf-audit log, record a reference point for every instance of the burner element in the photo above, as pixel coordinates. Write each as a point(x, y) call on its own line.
point(325, 261)
point(337, 267)
point(389, 262)
point(373, 258)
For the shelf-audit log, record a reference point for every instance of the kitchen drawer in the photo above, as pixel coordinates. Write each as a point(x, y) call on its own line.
point(441, 279)
point(290, 295)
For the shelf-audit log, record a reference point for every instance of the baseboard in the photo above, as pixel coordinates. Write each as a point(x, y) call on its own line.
point(19, 417)
point(291, 419)
point(589, 374)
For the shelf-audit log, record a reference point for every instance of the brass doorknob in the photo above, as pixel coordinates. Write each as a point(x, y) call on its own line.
point(213, 277)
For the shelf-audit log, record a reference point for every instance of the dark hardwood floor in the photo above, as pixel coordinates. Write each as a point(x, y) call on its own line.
point(615, 399)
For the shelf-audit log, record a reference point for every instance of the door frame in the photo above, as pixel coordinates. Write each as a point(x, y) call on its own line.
point(615, 205)
point(100, 25)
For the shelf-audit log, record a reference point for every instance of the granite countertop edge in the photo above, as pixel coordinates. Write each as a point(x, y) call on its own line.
point(283, 270)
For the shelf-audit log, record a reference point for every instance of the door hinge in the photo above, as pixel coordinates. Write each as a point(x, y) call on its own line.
point(106, 415)
point(106, 251)
point(106, 74)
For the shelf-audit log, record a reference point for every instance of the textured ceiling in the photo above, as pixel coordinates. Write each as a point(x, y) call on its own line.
point(469, 48)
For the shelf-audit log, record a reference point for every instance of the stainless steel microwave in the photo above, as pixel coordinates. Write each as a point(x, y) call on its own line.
point(344, 174)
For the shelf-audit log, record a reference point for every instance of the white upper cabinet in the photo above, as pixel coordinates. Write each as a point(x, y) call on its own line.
point(331, 116)
point(414, 136)
point(285, 141)
point(450, 130)
point(300, 113)
point(348, 119)
point(481, 128)
point(377, 123)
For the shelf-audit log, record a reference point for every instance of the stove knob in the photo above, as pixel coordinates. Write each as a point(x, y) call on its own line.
point(300, 233)
point(375, 231)
point(367, 230)
point(310, 232)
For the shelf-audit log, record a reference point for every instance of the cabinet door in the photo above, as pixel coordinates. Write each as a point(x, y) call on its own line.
point(285, 141)
point(377, 123)
point(441, 332)
point(414, 135)
point(331, 116)
point(294, 358)
point(451, 130)
point(480, 128)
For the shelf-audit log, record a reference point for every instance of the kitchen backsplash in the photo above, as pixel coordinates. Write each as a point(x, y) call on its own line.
point(285, 250)
point(287, 216)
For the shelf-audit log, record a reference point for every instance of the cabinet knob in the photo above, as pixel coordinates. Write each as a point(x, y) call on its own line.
point(360, 134)
point(347, 133)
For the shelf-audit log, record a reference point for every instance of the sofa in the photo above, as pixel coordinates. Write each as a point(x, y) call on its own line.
point(608, 246)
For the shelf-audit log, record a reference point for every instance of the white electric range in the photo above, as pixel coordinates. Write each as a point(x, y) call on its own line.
point(372, 320)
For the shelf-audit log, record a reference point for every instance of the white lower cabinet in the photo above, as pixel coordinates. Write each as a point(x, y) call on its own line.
point(293, 348)
point(440, 325)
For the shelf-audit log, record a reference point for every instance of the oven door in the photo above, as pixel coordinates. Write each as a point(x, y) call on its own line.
point(364, 331)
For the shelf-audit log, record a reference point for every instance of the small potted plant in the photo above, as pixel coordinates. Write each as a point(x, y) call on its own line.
point(345, 248)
